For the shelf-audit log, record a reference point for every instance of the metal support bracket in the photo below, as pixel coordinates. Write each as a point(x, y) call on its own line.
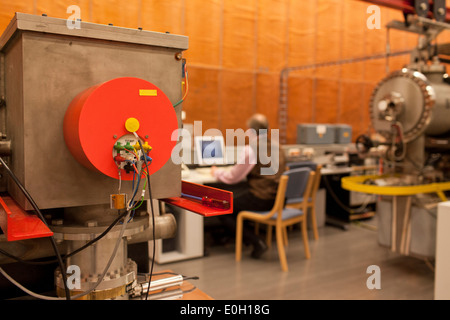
point(198, 190)
point(17, 224)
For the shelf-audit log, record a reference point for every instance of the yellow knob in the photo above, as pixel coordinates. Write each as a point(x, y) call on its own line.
point(132, 125)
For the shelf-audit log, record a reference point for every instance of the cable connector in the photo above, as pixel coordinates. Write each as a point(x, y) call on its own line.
point(149, 159)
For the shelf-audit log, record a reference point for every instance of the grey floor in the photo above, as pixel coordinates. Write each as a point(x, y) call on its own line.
point(337, 270)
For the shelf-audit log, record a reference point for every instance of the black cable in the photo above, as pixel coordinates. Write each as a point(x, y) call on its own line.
point(340, 203)
point(153, 230)
point(89, 243)
point(38, 211)
point(9, 255)
point(153, 216)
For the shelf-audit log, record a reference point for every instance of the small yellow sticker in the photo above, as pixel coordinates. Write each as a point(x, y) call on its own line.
point(148, 93)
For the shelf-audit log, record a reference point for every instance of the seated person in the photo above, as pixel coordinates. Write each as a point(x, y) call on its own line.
point(261, 180)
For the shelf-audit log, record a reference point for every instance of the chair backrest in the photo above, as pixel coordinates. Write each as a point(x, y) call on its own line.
point(280, 198)
point(314, 167)
point(301, 164)
point(298, 184)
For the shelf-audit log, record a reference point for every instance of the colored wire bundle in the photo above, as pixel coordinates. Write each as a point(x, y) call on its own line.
point(187, 87)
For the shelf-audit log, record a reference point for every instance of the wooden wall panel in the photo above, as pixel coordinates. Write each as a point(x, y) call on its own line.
point(352, 106)
point(58, 8)
point(8, 8)
point(236, 99)
point(120, 13)
point(327, 101)
point(329, 36)
point(272, 34)
point(203, 26)
point(267, 96)
point(162, 16)
point(239, 35)
point(353, 26)
point(302, 34)
point(300, 104)
point(237, 49)
point(202, 102)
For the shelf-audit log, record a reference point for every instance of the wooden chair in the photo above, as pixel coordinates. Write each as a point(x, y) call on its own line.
point(311, 201)
point(293, 183)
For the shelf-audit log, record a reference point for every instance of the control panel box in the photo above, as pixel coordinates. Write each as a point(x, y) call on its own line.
point(315, 133)
point(343, 134)
point(46, 65)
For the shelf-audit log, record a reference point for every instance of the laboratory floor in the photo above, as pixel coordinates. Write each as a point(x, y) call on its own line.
point(337, 270)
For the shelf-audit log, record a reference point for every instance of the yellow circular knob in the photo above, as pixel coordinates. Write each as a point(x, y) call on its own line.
point(132, 125)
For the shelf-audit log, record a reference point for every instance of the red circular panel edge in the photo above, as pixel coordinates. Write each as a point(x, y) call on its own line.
point(95, 120)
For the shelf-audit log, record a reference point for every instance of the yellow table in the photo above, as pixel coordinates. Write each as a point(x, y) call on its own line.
point(357, 184)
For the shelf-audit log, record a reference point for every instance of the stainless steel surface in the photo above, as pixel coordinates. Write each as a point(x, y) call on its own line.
point(80, 233)
point(43, 66)
point(45, 71)
point(165, 228)
point(158, 284)
point(114, 282)
point(28, 249)
point(409, 98)
point(5, 148)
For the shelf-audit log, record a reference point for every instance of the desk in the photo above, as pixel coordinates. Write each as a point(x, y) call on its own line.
point(200, 175)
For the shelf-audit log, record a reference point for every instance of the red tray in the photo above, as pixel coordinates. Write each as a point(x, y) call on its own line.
point(199, 190)
point(17, 224)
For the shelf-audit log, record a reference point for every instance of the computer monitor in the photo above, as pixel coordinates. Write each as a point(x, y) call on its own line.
point(210, 150)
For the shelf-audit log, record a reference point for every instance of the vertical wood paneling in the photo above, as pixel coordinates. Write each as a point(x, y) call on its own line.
point(272, 37)
point(202, 102)
point(236, 99)
point(162, 16)
point(120, 13)
point(239, 35)
point(237, 49)
point(8, 8)
point(203, 26)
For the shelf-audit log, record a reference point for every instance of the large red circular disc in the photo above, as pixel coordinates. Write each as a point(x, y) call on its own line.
point(96, 118)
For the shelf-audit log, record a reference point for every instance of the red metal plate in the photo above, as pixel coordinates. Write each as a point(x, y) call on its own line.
point(17, 224)
point(96, 119)
point(199, 190)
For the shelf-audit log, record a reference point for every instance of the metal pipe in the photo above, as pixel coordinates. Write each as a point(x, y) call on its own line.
point(165, 228)
point(158, 284)
point(5, 147)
